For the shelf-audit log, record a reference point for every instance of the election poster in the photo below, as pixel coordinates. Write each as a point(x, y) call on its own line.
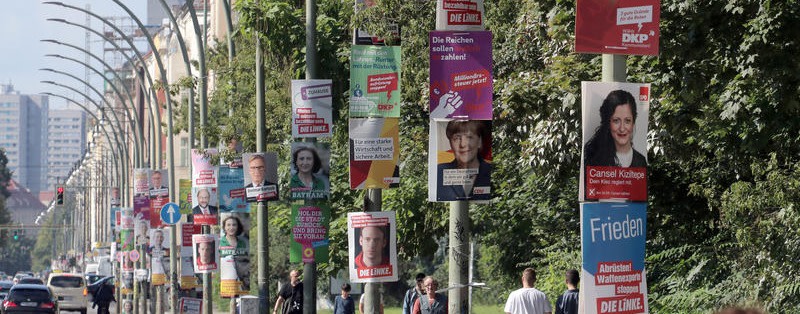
point(374, 153)
point(234, 252)
point(362, 37)
point(185, 196)
point(614, 155)
point(310, 170)
point(141, 181)
point(155, 211)
point(375, 81)
point(204, 173)
point(158, 270)
point(261, 176)
point(459, 15)
point(626, 27)
point(372, 244)
point(204, 253)
point(205, 206)
point(116, 201)
point(159, 184)
point(312, 107)
point(115, 217)
point(613, 278)
point(231, 190)
point(460, 161)
point(461, 75)
point(188, 279)
point(191, 305)
point(310, 227)
point(141, 207)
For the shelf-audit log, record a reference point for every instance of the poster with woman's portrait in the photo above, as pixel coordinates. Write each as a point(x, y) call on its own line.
point(614, 156)
point(460, 160)
point(260, 176)
point(310, 171)
point(205, 206)
point(234, 252)
point(374, 153)
point(204, 253)
point(372, 243)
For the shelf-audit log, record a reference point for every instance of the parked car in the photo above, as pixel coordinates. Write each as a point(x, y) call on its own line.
point(5, 285)
point(31, 281)
point(71, 291)
point(23, 298)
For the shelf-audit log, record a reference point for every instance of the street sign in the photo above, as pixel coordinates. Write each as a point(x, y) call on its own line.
point(170, 213)
point(134, 255)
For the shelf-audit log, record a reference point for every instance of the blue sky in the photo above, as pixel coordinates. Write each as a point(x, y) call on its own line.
point(23, 24)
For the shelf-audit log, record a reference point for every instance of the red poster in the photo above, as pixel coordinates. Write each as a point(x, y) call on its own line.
point(626, 27)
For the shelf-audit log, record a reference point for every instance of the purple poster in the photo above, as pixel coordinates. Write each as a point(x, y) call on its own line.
point(461, 75)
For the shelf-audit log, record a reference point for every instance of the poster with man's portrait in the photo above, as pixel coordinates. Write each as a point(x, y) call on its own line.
point(159, 244)
point(374, 153)
point(310, 169)
point(204, 253)
point(460, 161)
point(614, 155)
point(115, 198)
point(205, 206)
point(159, 184)
point(372, 243)
point(260, 176)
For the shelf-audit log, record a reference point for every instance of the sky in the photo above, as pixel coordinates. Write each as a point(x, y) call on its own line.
point(23, 23)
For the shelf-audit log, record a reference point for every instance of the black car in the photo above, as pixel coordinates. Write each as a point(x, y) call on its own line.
point(25, 298)
point(30, 281)
point(5, 285)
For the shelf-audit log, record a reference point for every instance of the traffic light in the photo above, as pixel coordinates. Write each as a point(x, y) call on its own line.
point(60, 195)
point(16, 235)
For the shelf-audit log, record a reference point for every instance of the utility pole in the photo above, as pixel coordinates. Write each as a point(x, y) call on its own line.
point(262, 217)
point(312, 61)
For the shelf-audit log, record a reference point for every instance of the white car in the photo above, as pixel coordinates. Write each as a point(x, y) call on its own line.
point(71, 291)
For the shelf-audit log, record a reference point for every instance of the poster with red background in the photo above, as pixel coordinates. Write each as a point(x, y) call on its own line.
point(627, 27)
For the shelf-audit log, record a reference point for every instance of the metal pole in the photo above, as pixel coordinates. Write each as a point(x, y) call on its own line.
point(372, 291)
point(614, 68)
point(261, 146)
point(459, 245)
point(312, 61)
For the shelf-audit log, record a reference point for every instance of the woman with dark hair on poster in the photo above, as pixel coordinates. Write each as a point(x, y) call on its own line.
point(233, 240)
point(307, 162)
point(612, 142)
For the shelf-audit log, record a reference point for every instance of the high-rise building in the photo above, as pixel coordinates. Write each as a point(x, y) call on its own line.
point(23, 135)
point(67, 143)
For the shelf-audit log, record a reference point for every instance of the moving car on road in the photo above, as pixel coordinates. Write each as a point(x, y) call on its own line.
point(71, 291)
point(24, 298)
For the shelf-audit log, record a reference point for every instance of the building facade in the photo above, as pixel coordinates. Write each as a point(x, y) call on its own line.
point(24, 136)
point(67, 143)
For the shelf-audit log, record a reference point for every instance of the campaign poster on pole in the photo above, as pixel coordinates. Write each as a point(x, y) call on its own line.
point(204, 174)
point(141, 207)
point(461, 75)
point(159, 184)
point(115, 198)
point(372, 244)
point(191, 305)
point(460, 161)
point(613, 277)
point(374, 153)
point(310, 228)
point(158, 273)
point(362, 37)
point(615, 117)
point(459, 15)
point(312, 107)
point(375, 81)
point(204, 253)
point(155, 211)
point(185, 196)
point(188, 279)
point(310, 171)
point(261, 176)
point(231, 190)
point(141, 181)
point(205, 206)
point(234, 252)
point(114, 218)
point(627, 27)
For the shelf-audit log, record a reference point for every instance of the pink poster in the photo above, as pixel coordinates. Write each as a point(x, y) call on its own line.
point(461, 75)
point(626, 27)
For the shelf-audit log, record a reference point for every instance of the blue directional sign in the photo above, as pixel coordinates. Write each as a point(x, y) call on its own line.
point(170, 213)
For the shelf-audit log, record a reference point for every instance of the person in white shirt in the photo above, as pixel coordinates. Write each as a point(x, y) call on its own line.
point(528, 300)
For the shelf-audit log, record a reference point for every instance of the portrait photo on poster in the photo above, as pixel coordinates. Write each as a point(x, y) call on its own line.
point(614, 152)
point(204, 206)
point(260, 176)
point(234, 234)
point(460, 160)
point(205, 253)
point(310, 169)
point(372, 239)
point(159, 183)
point(159, 242)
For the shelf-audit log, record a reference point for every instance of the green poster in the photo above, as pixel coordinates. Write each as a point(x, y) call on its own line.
point(310, 224)
point(375, 81)
point(184, 197)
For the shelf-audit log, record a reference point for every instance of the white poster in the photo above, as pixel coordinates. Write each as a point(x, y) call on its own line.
point(312, 105)
point(372, 243)
point(459, 15)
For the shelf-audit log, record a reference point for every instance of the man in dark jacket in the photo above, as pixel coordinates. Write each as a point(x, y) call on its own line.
point(103, 297)
point(568, 302)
